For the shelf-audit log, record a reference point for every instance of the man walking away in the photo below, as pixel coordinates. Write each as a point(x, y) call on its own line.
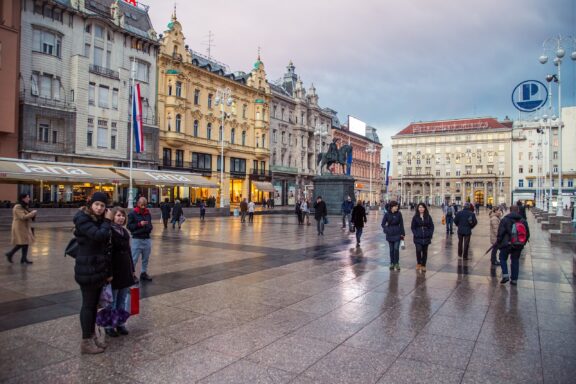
point(202, 211)
point(449, 214)
point(298, 210)
point(320, 213)
point(347, 206)
point(177, 214)
point(513, 234)
point(251, 208)
point(495, 218)
point(465, 220)
point(140, 226)
point(165, 209)
point(243, 210)
point(358, 220)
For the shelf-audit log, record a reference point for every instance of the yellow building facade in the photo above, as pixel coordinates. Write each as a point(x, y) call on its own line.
point(192, 139)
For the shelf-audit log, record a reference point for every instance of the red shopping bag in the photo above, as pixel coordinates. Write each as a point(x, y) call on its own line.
point(134, 300)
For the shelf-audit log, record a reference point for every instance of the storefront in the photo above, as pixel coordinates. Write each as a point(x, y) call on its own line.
point(60, 183)
point(261, 191)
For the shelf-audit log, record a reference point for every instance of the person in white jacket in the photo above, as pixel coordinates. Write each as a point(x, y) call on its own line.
point(251, 207)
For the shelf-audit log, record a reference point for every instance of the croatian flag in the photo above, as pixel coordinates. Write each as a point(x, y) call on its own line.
point(137, 119)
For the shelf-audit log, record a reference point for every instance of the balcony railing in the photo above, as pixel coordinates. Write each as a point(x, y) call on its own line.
point(27, 98)
point(183, 166)
point(261, 172)
point(104, 72)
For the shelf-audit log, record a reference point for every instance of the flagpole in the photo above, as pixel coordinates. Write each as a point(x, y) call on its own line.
point(130, 190)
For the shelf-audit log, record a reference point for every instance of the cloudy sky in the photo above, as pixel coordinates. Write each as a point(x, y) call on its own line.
point(388, 62)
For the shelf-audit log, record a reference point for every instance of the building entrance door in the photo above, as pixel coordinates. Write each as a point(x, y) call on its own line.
point(479, 197)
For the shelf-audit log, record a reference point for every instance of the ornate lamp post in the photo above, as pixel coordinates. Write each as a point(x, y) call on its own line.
point(556, 45)
point(223, 96)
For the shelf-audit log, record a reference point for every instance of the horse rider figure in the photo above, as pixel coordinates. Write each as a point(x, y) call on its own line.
point(332, 156)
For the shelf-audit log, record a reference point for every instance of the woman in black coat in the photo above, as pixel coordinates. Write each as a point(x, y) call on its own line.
point(393, 226)
point(423, 230)
point(92, 269)
point(358, 219)
point(123, 275)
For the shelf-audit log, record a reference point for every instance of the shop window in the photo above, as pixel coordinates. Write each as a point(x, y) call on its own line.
point(195, 128)
point(202, 161)
point(49, 43)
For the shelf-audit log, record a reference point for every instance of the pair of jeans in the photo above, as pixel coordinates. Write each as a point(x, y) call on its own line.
point(119, 297)
point(421, 254)
point(23, 247)
point(346, 218)
point(394, 251)
point(493, 258)
point(449, 222)
point(250, 217)
point(144, 247)
point(358, 234)
point(243, 216)
point(165, 221)
point(320, 225)
point(463, 245)
point(515, 262)
point(90, 298)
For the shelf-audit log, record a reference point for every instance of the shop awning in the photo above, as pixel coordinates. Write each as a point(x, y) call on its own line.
point(18, 170)
point(145, 177)
point(264, 186)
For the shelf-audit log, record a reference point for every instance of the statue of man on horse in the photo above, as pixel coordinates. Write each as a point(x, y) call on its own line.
point(342, 156)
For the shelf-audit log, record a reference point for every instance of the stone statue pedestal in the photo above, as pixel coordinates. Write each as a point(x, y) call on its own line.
point(333, 189)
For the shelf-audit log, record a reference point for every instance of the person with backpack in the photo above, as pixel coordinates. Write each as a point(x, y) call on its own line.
point(423, 229)
point(465, 220)
point(513, 234)
point(393, 226)
point(449, 213)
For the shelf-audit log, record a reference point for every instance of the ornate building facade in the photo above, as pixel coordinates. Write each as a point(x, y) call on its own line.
point(453, 160)
point(75, 72)
point(366, 167)
point(191, 132)
point(295, 116)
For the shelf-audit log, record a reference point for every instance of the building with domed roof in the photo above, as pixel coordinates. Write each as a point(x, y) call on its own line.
point(192, 136)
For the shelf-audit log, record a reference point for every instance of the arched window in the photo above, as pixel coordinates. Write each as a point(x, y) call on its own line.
point(209, 131)
point(243, 137)
point(195, 128)
point(232, 135)
point(178, 122)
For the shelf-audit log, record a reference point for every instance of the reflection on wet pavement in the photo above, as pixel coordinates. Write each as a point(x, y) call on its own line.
point(271, 302)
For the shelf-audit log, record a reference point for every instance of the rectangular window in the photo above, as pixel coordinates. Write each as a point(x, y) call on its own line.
point(178, 89)
point(571, 183)
point(263, 167)
point(521, 169)
point(98, 56)
point(179, 158)
point(46, 86)
point(530, 183)
point(196, 96)
point(167, 157)
point(43, 131)
point(46, 42)
point(108, 59)
point(555, 155)
point(438, 173)
point(87, 50)
point(142, 71)
point(99, 32)
point(521, 183)
point(90, 132)
point(115, 98)
point(102, 133)
point(54, 137)
point(201, 161)
point(56, 88)
point(92, 94)
point(254, 166)
point(103, 94)
point(209, 100)
point(113, 139)
point(520, 155)
point(237, 165)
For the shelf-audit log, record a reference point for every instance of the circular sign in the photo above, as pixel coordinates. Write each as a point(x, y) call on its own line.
point(529, 96)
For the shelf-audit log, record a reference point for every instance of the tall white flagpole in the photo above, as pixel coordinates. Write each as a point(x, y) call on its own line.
point(130, 190)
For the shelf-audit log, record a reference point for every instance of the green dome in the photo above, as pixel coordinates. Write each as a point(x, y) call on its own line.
point(257, 64)
point(171, 25)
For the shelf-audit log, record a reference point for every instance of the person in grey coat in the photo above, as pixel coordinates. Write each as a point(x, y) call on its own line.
point(177, 213)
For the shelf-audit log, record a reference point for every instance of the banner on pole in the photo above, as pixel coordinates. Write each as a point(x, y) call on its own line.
point(137, 119)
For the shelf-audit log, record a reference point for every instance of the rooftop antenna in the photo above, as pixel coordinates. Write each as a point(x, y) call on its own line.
point(210, 44)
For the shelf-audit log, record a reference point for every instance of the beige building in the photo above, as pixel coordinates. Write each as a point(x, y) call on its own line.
point(452, 160)
point(191, 132)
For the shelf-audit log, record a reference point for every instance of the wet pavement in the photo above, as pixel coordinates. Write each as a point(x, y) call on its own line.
point(271, 302)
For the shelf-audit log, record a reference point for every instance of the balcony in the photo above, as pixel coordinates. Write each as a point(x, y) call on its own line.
point(98, 70)
point(261, 172)
point(29, 99)
point(186, 166)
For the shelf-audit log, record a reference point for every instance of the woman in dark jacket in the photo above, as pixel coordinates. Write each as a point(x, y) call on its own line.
point(423, 230)
point(358, 219)
point(177, 212)
point(393, 226)
point(123, 275)
point(92, 269)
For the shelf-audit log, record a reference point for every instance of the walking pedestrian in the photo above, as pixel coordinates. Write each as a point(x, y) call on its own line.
point(449, 213)
point(422, 230)
point(165, 209)
point(320, 213)
point(305, 207)
point(521, 209)
point(347, 206)
point(358, 220)
point(513, 233)
point(393, 226)
point(92, 269)
point(298, 211)
point(251, 209)
point(465, 220)
point(202, 211)
point(177, 214)
point(123, 274)
point(495, 218)
point(140, 226)
point(243, 210)
point(22, 234)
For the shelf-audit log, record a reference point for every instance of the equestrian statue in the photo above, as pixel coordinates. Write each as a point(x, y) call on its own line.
point(342, 156)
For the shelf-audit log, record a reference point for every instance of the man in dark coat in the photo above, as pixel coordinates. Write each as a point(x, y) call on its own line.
point(503, 243)
point(347, 206)
point(358, 220)
point(140, 226)
point(165, 209)
point(320, 213)
point(177, 213)
point(243, 210)
point(465, 220)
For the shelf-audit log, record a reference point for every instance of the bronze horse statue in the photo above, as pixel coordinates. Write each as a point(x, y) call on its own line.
point(342, 156)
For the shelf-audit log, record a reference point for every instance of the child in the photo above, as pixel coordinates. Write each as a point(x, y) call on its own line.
point(123, 274)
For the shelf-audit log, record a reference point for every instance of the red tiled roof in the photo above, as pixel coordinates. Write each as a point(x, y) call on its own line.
point(451, 126)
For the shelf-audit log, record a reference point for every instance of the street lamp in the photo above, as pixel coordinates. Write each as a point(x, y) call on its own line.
point(556, 46)
point(371, 150)
point(321, 132)
point(223, 96)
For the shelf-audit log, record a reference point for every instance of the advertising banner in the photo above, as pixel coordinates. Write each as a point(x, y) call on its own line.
point(277, 193)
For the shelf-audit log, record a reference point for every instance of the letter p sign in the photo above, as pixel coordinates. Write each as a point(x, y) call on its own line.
point(529, 96)
point(529, 90)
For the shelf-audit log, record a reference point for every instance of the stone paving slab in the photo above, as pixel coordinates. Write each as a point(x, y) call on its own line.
point(271, 302)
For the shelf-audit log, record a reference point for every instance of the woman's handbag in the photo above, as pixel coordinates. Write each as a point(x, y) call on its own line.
point(443, 220)
point(72, 248)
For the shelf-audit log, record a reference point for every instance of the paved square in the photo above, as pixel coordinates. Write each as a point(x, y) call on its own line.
point(271, 302)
